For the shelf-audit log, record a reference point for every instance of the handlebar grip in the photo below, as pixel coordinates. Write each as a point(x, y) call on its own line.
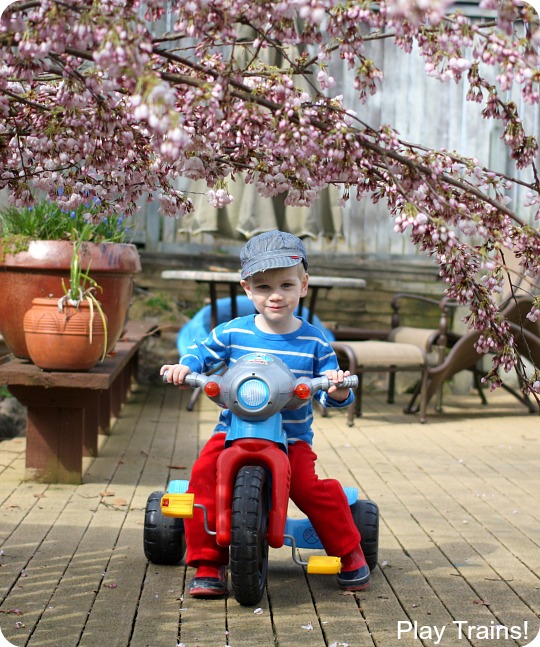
point(194, 380)
point(191, 379)
point(351, 382)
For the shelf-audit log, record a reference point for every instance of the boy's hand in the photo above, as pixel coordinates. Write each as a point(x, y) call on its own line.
point(337, 376)
point(176, 374)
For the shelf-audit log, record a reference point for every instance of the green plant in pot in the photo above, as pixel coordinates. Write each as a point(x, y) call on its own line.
point(69, 333)
point(36, 253)
point(51, 221)
point(81, 288)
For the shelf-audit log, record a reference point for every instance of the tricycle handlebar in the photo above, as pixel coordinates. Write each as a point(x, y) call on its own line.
point(259, 385)
point(197, 380)
point(323, 383)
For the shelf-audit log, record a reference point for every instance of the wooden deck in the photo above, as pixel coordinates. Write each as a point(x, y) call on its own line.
point(459, 545)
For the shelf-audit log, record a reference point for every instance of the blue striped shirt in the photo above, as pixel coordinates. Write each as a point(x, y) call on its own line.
point(305, 351)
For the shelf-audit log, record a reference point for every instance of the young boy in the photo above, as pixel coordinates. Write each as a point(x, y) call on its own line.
point(274, 276)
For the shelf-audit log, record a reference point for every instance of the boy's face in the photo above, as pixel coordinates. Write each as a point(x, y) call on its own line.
point(276, 293)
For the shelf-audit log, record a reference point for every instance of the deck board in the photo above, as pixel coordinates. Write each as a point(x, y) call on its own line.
point(458, 539)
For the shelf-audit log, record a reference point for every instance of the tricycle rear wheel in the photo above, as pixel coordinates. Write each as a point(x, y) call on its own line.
point(164, 538)
point(249, 544)
point(366, 518)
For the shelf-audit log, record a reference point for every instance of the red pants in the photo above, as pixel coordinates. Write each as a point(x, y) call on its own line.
point(321, 500)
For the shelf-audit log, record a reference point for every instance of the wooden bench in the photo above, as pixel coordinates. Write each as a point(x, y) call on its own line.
point(67, 411)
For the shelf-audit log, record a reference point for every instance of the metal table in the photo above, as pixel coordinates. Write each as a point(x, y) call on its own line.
point(232, 279)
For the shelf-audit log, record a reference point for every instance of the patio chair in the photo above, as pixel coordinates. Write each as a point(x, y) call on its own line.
point(436, 354)
point(515, 302)
point(464, 356)
point(397, 349)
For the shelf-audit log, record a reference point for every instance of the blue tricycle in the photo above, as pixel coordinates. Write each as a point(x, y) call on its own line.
point(253, 481)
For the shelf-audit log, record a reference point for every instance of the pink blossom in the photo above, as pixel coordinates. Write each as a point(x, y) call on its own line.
point(194, 168)
point(92, 100)
point(325, 81)
point(219, 198)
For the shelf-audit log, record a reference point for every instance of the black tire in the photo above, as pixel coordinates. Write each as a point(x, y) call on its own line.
point(366, 518)
point(249, 543)
point(164, 538)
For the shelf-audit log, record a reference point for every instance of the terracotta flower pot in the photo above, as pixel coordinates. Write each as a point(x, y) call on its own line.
point(60, 341)
point(38, 273)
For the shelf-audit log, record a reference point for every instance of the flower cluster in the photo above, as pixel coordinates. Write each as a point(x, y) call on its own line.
point(91, 99)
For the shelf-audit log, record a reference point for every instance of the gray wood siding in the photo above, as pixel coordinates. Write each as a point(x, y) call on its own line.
point(422, 110)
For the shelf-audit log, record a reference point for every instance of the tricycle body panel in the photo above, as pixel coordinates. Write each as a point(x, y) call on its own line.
point(303, 532)
point(270, 429)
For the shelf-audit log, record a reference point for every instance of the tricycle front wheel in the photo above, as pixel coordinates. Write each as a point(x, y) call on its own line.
point(249, 544)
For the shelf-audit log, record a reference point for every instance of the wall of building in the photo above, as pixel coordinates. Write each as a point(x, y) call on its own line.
point(367, 308)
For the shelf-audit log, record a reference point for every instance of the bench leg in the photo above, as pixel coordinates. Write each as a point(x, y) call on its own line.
point(53, 450)
point(60, 430)
point(118, 396)
point(91, 425)
point(104, 412)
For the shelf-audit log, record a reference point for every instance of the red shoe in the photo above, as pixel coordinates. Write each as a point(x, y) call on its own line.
point(210, 581)
point(355, 573)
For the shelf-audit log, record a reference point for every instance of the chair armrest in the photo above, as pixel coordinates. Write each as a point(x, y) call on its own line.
point(527, 343)
point(442, 337)
point(344, 350)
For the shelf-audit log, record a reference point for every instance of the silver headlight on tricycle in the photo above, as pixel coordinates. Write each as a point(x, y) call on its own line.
point(253, 393)
point(257, 386)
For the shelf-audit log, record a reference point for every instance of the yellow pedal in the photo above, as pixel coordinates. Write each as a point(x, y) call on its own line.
point(178, 505)
point(324, 565)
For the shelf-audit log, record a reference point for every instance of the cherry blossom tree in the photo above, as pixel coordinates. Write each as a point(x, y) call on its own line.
point(95, 102)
